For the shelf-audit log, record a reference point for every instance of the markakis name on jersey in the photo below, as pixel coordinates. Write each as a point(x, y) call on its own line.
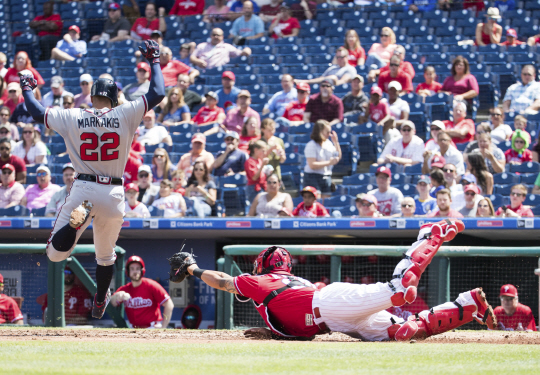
point(96, 122)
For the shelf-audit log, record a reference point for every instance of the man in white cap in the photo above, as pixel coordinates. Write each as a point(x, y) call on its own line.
point(389, 198)
point(55, 97)
point(70, 47)
point(86, 83)
point(356, 101)
point(38, 195)
point(135, 90)
point(58, 199)
point(231, 160)
point(147, 192)
point(152, 134)
point(405, 150)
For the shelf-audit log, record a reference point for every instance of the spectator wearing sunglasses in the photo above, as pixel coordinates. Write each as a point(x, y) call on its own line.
point(408, 208)
point(69, 103)
point(147, 191)
point(294, 111)
point(449, 153)
point(341, 72)
point(523, 95)
point(6, 157)
point(14, 97)
point(516, 207)
point(116, 27)
point(11, 192)
point(379, 54)
point(500, 131)
point(404, 66)
point(31, 149)
point(38, 195)
point(5, 132)
point(367, 205)
point(404, 151)
point(216, 53)
point(12, 130)
point(472, 197)
point(485, 208)
point(162, 167)
point(519, 153)
point(325, 105)
point(86, 82)
point(395, 74)
point(231, 160)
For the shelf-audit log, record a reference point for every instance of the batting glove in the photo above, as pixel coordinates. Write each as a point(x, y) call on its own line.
point(28, 82)
point(150, 51)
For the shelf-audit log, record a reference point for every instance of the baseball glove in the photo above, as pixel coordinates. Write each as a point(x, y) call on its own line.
point(28, 82)
point(150, 50)
point(179, 263)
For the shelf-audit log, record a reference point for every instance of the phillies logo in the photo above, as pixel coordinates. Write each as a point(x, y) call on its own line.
point(72, 301)
point(506, 289)
point(138, 303)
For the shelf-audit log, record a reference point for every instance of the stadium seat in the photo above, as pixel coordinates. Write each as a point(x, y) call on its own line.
point(237, 179)
point(497, 200)
point(14, 211)
point(155, 212)
point(359, 179)
point(506, 178)
point(525, 178)
point(234, 201)
point(532, 200)
point(502, 189)
point(529, 167)
point(340, 201)
point(40, 212)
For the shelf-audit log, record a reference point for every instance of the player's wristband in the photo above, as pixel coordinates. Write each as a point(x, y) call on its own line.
point(197, 272)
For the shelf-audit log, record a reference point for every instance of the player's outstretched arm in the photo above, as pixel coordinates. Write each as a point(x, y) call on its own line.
point(156, 91)
point(28, 84)
point(215, 279)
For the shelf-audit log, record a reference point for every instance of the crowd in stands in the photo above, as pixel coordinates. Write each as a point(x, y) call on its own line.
point(219, 143)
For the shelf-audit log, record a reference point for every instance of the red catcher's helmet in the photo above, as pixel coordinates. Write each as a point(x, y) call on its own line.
point(135, 259)
point(273, 260)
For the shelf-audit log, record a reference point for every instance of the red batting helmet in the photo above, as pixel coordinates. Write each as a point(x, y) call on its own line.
point(135, 259)
point(273, 260)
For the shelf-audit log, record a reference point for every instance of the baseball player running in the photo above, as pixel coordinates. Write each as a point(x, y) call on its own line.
point(98, 141)
point(293, 308)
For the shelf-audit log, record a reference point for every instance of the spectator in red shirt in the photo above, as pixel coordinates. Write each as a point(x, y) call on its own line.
point(14, 96)
point(22, 62)
point(211, 113)
point(49, 29)
point(430, 86)
point(131, 169)
point(404, 66)
point(324, 105)
point(519, 153)
point(512, 315)
point(310, 207)
point(377, 111)
point(474, 5)
point(9, 310)
point(461, 129)
point(251, 131)
point(512, 39)
point(489, 32)
point(255, 169)
point(142, 28)
point(7, 158)
point(444, 202)
point(270, 12)
point(137, 146)
point(284, 25)
point(462, 84)
point(171, 69)
point(357, 55)
point(516, 208)
point(395, 74)
point(187, 7)
point(294, 112)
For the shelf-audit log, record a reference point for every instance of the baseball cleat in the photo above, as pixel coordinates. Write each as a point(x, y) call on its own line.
point(99, 310)
point(80, 214)
point(485, 314)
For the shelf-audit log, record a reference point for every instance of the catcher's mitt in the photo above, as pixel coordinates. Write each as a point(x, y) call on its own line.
point(179, 264)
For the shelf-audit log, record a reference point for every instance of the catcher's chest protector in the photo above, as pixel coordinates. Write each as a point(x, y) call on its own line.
point(262, 309)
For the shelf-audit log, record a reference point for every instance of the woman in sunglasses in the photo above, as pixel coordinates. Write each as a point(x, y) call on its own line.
point(485, 208)
point(30, 148)
point(201, 189)
point(271, 202)
point(489, 32)
point(380, 53)
point(162, 167)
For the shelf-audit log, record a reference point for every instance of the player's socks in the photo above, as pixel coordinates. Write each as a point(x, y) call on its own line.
point(104, 276)
point(64, 239)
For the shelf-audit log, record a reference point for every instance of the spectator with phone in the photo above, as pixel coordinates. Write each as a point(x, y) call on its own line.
point(516, 207)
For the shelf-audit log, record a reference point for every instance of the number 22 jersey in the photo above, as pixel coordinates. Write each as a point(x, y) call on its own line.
point(98, 140)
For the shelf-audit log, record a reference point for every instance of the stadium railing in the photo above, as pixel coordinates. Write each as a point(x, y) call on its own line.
point(55, 279)
point(454, 270)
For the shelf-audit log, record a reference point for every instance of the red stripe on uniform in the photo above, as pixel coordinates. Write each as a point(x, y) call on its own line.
point(46, 114)
point(145, 104)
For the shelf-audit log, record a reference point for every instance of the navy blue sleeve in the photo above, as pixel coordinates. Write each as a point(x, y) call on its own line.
point(156, 91)
point(34, 107)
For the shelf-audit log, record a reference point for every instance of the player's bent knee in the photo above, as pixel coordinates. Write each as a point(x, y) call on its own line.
point(55, 255)
point(106, 260)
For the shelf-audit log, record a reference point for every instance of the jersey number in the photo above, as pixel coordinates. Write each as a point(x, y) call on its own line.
point(90, 144)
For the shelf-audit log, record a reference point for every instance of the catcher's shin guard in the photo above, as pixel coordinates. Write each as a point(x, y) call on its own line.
point(469, 305)
point(419, 256)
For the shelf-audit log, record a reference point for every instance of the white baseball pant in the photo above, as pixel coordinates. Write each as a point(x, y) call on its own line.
point(107, 213)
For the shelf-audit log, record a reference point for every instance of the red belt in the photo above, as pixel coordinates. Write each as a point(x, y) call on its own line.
point(322, 326)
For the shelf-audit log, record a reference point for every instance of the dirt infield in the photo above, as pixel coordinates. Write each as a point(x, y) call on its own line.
point(209, 336)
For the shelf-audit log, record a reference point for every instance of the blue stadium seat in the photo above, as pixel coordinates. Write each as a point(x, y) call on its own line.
point(39, 212)
point(234, 201)
point(339, 201)
point(348, 162)
point(359, 179)
point(502, 189)
point(532, 200)
point(414, 169)
point(14, 211)
point(525, 178)
point(529, 167)
point(155, 212)
point(237, 179)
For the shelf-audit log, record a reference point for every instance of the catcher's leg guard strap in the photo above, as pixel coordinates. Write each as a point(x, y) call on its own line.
point(64, 239)
point(416, 260)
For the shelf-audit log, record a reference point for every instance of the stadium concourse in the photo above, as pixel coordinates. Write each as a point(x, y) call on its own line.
point(430, 37)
